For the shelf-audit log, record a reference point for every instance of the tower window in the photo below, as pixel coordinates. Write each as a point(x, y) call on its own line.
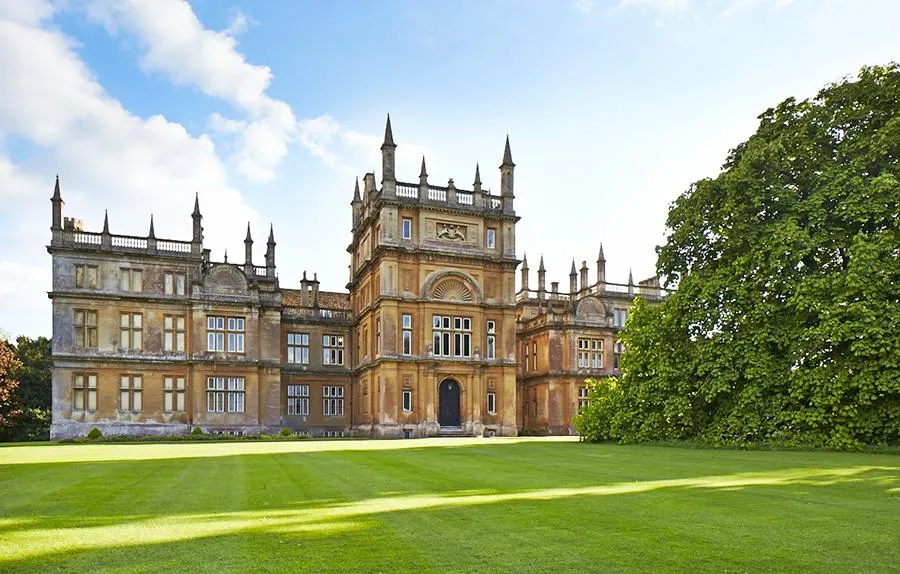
point(407, 228)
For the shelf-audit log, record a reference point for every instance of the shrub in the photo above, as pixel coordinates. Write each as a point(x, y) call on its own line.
point(597, 421)
point(94, 434)
point(285, 432)
point(197, 431)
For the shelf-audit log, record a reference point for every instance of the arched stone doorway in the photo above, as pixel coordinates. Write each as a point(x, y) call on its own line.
point(449, 408)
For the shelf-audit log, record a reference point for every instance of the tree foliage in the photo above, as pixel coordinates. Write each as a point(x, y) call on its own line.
point(32, 398)
point(785, 325)
point(34, 374)
point(10, 408)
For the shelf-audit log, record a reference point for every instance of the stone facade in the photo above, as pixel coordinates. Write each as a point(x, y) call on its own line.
point(150, 336)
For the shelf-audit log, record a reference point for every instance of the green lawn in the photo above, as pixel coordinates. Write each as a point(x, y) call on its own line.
point(444, 505)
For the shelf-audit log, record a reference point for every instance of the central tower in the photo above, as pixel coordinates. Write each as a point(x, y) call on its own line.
point(433, 297)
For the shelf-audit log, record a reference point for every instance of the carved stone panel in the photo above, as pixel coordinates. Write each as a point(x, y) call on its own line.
point(224, 278)
point(451, 231)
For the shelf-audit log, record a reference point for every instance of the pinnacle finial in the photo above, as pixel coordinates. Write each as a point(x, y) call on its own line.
point(601, 257)
point(630, 279)
point(541, 266)
point(105, 222)
point(226, 256)
point(152, 234)
point(477, 174)
point(573, 272)
point(248, 239)
point(56, 195)
point(388, 133)
point(525, 261)
point(271, 235)
point(507, 155)
point(422, 172)
point(196, 205)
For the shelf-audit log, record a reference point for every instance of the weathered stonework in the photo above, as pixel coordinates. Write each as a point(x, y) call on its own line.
point(150, 336)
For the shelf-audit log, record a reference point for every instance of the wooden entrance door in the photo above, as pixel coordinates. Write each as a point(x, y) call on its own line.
point(449, 408)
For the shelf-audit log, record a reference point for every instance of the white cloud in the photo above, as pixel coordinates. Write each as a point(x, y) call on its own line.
point(106, 156)
point(584, 6)
point(739, 5)
point(664, 6)
point(175, 43)
point(24, 11)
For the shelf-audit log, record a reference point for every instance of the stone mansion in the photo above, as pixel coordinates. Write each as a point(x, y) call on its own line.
point(151, 336)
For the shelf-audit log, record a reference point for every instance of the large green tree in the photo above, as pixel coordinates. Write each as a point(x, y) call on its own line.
point(10, 408)
point(34, 374)
point(785, 325)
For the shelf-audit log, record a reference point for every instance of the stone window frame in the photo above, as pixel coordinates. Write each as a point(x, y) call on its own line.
point(131, 331)
point(297, 348)
point(451, 336)
point(590, 353)
point(84, 385)
point(406, 225)
point(174, 392)
point(490, 238)
point(333, 400)
point(226, 333)
point(491, 403)
point(173, 334)
point(332, 349)
point(131, 393)
point(171, 284)
point(406, 396)
point(131, 280)
point(86, 276)
point(490, 347)
point(85, 330)
point(406, 334)
point(298, 400)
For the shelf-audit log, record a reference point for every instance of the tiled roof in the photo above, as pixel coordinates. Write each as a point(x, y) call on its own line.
point(327, 299)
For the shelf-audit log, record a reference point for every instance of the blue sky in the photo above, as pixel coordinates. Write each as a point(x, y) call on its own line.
point(270, 109)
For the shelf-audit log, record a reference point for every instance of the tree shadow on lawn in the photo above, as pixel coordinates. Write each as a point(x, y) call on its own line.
point(374, 490)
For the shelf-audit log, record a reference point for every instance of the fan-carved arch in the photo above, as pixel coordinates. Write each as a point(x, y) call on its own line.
point(452, 289)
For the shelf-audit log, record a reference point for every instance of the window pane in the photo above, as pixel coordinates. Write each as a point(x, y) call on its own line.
point(167, 401)
point(137, 406)
point(169, 284)
point(179, 284)
point(179, 323)
point(138, 340)
point(123, 339)
point(124, 320)
point(92, 400)
point(179, 401)
point(137, 281)
point(123, 400)
point(179, 342)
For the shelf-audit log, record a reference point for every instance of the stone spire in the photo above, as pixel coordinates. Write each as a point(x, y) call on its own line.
point(506, 179)
point(524, 272)
point(388, 133)
point(270, 253)
point(573, 279)
point(423, 172)
point(507, 155)
point(105, 222)
point(248, 254)
point(630, 282)
point(152, 234)
point(542, 273)
point(57, 201)
point(388, 148)
point(601, 269)
point(198, 228)
point(356, 205)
